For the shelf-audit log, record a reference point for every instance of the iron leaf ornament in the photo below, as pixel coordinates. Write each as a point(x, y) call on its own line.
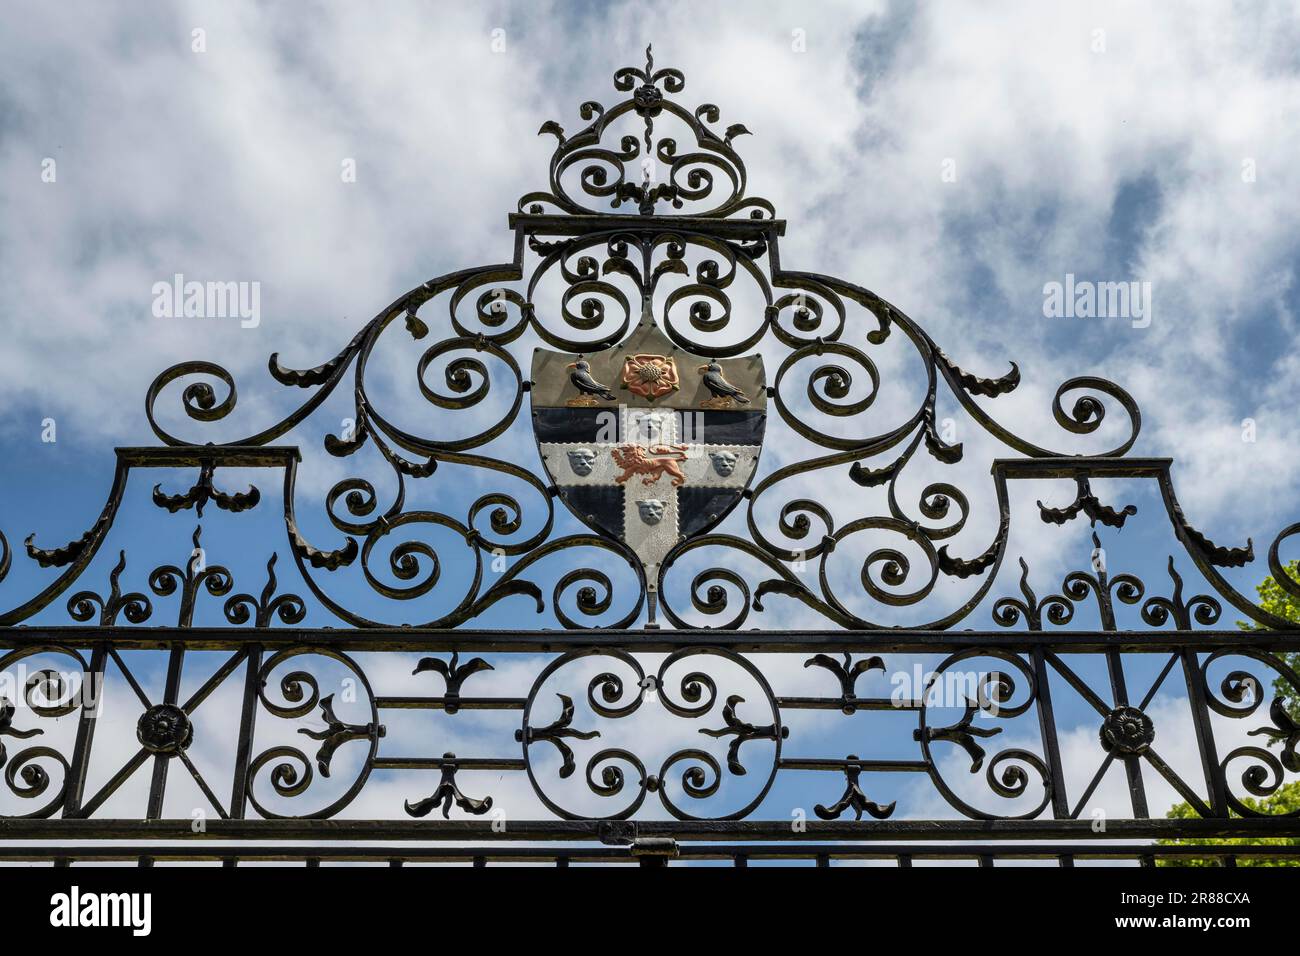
point(628, 265)
point(640, 446)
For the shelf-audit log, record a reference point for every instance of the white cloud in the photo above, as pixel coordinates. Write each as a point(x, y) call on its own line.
point(1121, 164)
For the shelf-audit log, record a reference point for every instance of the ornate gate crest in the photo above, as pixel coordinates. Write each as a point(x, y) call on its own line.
point(646, 443)
point(649, 406)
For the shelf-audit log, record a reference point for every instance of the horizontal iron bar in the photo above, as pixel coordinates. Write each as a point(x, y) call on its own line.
point(704, 830)
point(441, 703)
point(1069, 466)
point(897, 641)
point(460, 763)
point(552, 225)
point(229, 456)
point(840, 703)
point(602, 854)
point(877, 766)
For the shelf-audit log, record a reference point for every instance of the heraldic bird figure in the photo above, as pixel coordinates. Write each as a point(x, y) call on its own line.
point(588, 386)
point(724, 393)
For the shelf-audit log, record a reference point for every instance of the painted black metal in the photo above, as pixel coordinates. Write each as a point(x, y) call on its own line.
point(620, 691)
point(695, 235)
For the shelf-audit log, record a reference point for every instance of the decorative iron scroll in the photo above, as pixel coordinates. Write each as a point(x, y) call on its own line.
point(589, 278)
point(617, 272)
point(725, 736)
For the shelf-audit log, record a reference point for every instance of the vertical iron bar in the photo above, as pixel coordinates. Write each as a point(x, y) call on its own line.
point(171, 695)
point(1215, 790)
point(1132, 764)
point(85, 733)
point(1047, 725)
point(247, 727)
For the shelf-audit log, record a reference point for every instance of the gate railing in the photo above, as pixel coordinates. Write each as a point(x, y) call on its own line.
point(596, 738)
point(703, 776)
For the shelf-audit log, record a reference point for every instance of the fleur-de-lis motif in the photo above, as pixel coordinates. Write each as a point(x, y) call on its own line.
point(454, 674)
point(165, 580)
point(1127, 587)
point(963, 735)
point(853, 797)
point(742, 732)
point(337, 733)
point(448, 793)
point(847, 673)
point(554, 732)
point(1007, 611)
point(134, 606)
point(1202, 608)
point(289, 607)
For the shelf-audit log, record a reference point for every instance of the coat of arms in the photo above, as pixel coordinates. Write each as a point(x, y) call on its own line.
point(641, 449)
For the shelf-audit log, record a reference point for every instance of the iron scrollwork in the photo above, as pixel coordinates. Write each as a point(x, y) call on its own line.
point(645, 227)
point(696, 241)
point(615, 698)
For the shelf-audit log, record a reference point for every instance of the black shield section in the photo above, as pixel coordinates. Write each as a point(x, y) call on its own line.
point(700, 508)
point(722, 427)
point(573, 425)
point(600, 506)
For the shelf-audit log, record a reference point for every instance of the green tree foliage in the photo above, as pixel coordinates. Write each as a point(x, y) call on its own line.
point(1276, 600)
point(1285, 800)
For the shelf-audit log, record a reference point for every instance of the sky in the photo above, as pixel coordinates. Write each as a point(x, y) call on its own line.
point(954, 159)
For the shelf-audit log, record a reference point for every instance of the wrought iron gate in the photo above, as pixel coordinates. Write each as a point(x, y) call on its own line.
point(601, 706)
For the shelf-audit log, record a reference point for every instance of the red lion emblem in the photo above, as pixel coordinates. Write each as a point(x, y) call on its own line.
point(652, 462)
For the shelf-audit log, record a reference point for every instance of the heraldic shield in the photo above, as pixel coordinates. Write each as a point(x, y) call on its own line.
point(647, 443)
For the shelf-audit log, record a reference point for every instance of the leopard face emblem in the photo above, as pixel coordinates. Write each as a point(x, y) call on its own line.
point(582, 461)
point(648, 428)
point(651, 510)
point(724, 462)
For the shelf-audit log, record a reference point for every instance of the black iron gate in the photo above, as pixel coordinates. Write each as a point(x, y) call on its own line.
point(601, 707)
